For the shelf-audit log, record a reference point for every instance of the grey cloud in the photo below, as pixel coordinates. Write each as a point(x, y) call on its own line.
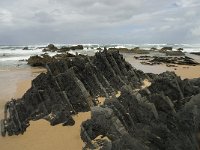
point(99, 21)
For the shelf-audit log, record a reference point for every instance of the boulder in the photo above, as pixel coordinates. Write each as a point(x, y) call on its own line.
point(166, 48)
point(25, 48)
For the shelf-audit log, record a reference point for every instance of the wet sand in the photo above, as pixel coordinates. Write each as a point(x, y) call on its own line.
point(184, 71)
point(40, 135)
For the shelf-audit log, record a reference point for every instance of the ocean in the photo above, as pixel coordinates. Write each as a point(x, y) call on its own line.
point(14, 56)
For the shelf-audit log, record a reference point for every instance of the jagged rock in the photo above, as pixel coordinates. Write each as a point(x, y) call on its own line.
point(40, 60)
point(148, 120)
point(45, 59)
point(70, 85)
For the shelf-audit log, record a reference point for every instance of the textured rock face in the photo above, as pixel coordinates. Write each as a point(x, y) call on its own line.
point(70, 86)
point(163, 116)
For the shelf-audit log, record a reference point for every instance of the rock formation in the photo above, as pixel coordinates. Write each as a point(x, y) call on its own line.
point(163, 116)
point(70, 86)
point(152, 60)
point(53, 48)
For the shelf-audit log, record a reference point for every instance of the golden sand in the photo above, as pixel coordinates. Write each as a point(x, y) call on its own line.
point(41, 135)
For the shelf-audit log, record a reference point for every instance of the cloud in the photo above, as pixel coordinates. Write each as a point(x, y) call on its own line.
point(99, 21)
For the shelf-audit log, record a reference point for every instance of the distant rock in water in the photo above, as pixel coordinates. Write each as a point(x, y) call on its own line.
point(25, 48)
point(195, 53)
point(53, 48)
point(166, 49)
point(180, 49)
point(135, 50)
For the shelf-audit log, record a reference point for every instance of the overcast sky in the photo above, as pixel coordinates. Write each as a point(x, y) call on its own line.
point(99, 21)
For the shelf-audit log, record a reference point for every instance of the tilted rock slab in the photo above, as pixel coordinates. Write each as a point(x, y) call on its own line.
point(69, 86)
point(163, 116)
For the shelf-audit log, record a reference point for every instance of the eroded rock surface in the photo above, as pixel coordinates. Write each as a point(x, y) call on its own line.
point(163, 116)
point(71, 85)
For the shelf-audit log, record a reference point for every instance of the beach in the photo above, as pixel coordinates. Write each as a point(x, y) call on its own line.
point(40, 135)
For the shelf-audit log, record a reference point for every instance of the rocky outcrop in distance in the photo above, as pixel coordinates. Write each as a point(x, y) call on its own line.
point(53, 48)
point(155, 60)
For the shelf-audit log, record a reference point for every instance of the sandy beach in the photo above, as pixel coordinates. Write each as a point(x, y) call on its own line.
point(184, 71)
point(40, 135)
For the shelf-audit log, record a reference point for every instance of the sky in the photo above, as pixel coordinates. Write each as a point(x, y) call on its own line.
point(99, 21)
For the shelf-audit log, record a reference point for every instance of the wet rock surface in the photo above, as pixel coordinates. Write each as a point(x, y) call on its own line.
point(163, 116)
point(69, 86)
point(155, 60)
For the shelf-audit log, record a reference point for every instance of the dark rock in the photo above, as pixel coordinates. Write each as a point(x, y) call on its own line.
point(148, 120)
point(174, 60)
point(195, 53)
point(40, 60)
point(138, 50)
point(63, 49)
point(153, 49)
point(180, 49)
point(78, 47)
point(25, 48)
point(70, 85)
point(175, 53)
point(50, 48)
point(166, 49)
